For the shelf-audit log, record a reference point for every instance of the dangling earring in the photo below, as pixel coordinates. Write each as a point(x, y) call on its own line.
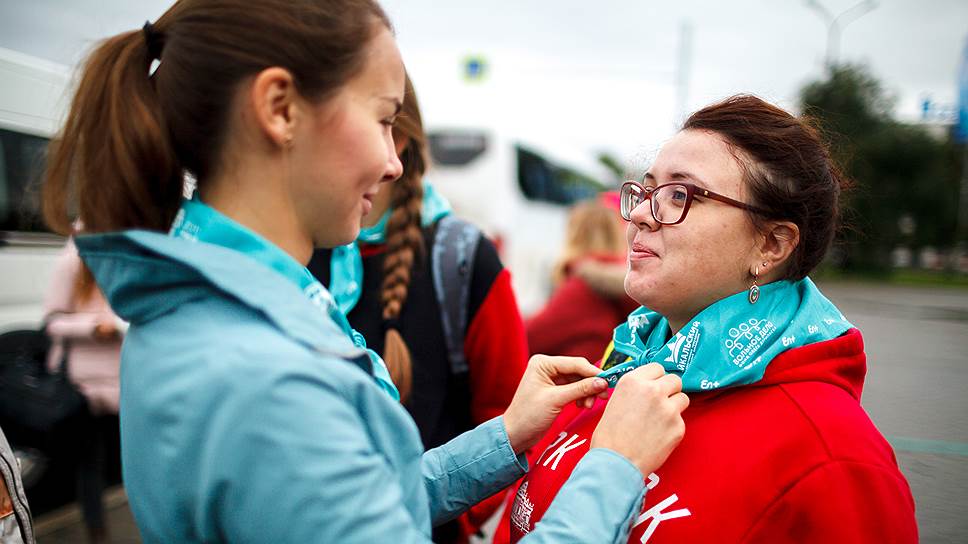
point(754, 294)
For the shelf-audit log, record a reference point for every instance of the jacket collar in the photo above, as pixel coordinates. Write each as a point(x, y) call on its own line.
point(147, 274)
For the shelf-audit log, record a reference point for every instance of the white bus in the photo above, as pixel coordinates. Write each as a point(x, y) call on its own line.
point(517, 194)
point(33, 98)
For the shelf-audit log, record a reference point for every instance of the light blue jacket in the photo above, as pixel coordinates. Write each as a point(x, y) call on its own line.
point(247, 415)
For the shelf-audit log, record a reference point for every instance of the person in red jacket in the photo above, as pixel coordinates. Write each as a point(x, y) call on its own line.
point(723, 229)
point(385, 283)
point(589, 296)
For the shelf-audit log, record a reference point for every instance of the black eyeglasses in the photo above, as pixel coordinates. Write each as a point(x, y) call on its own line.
point(671, 201)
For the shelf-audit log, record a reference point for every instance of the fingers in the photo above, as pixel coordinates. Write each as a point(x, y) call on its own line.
point(670, 384)
point(575, 391)
point(680, 401)
point(561, 366)
point(651, 371)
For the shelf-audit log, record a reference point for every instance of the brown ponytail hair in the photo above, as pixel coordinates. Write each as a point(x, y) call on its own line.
point(130, 138)
point(404, 238)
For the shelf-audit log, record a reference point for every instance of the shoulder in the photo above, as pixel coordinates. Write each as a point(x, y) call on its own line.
point(219, 344)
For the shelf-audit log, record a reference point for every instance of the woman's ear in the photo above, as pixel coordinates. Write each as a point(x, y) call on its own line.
point(777, 244)
point(275, 104)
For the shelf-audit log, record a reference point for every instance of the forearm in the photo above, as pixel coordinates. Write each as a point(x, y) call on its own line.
point(470, 468)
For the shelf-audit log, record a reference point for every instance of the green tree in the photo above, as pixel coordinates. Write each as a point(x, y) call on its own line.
point(898, 171)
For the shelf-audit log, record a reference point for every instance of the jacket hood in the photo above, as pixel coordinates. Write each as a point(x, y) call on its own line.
point(145, 275)
point(840, 362)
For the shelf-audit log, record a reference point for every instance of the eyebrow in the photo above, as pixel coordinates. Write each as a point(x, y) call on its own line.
point(398, 105)
point(676, 176)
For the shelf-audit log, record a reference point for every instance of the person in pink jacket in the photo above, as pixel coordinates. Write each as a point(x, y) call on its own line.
point(79, 320)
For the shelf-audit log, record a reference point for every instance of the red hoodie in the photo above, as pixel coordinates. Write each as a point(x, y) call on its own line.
point(792, 457)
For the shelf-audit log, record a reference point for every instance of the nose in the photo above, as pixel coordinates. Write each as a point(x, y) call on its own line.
point(394, 168)
point(641, 216)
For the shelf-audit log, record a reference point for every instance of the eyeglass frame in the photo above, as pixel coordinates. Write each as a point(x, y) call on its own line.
point(692, 191)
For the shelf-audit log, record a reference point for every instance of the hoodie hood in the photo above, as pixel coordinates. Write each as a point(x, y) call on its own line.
point(145, 275)
point(840, 362)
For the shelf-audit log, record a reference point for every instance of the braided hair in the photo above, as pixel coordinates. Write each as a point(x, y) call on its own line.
point(404, 238)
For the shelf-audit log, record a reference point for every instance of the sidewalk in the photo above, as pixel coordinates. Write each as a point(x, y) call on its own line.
point(65, 526)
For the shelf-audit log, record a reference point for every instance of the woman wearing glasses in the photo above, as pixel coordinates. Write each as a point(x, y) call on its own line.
point(723, 229)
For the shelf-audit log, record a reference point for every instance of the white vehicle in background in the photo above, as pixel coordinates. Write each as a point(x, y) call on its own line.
point(517, 194)
point(33, 96)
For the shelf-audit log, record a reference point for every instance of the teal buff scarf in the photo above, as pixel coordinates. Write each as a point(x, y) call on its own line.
point(196, 221)
point(731, 341)
point(346, 265)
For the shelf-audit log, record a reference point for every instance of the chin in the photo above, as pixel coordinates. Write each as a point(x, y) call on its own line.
point(330, 239)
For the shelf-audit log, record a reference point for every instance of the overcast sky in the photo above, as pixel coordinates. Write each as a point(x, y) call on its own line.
point(581, 75)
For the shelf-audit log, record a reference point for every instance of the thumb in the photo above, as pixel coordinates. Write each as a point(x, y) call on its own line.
point(580, 389)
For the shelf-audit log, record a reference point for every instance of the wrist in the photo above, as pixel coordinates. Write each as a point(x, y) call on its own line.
point(513, 432)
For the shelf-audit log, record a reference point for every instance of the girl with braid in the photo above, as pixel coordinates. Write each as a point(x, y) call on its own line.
point(384, 282)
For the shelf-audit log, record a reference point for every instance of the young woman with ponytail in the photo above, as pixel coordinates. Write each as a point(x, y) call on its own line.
point(385, 284)
point(250, 409)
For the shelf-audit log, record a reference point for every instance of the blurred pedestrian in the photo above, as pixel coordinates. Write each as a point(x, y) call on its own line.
point(589, 297)
point(86, 336)
point(392, 282)
point(251, 411)
point(723, 229)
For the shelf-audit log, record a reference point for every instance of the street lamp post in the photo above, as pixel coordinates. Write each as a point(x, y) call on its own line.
point(837, 24)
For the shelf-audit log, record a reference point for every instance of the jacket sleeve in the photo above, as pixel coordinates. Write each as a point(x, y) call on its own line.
point(844, 502)
point(470, 468)
point(294, 463)
point(496, 348)
point(318, 477)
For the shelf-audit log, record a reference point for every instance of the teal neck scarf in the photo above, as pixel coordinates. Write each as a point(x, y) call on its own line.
point(346, 265)
point(729, 343)
point(198, 222)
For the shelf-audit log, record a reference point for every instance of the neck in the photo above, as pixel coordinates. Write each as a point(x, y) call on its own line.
point(257, 201)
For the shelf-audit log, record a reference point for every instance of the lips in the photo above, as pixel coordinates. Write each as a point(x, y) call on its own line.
point(641, 251)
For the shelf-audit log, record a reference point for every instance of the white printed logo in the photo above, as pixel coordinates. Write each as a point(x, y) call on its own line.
point(559, 453)
point(655, 515)
point(813, 329)
point(683, 347)
point(706, 384)
point(521, 510)
point(746, 338)
point(788, 341)
point(635, 323)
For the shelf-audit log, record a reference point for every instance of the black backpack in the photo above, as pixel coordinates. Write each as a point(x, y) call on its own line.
point(31, 397)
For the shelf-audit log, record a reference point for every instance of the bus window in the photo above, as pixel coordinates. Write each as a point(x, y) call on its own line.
point(21, 168)
point(543, 181)
point(456, 148)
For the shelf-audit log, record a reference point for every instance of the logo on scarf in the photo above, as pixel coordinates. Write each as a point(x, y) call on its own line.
point(683, 347)
point(184, 229)
point(748, 337)
point(635, 323)
point(521, 510)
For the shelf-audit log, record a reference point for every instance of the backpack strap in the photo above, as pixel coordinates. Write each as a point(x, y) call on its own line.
point(455, 246)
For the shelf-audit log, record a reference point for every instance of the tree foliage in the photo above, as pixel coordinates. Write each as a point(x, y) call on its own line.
point(905, 181)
